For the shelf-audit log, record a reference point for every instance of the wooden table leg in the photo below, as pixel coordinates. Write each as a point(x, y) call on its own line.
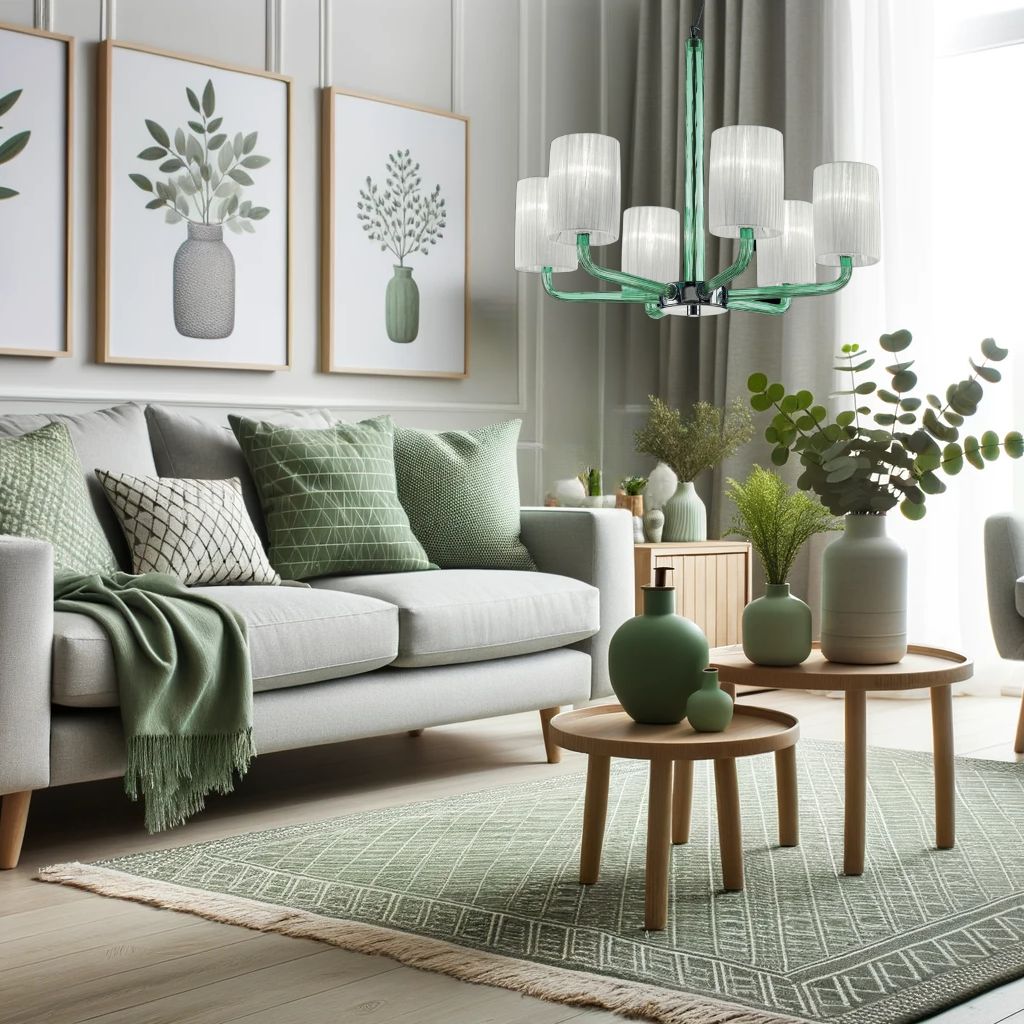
point(786, 796)
point(595, 810)
point(856, 781)
point(659, 817)
point(945, 783)
point(730, 834)
point(682, 801)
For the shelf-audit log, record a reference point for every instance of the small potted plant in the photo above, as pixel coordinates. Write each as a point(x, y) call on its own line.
point(864, 462)
point(708, 435)
point(778, 522)
point(630, 495)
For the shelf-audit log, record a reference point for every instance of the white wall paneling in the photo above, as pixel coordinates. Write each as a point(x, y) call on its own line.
point(522, 70)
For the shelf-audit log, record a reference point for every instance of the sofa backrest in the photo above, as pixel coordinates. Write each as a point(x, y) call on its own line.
point(115, 439)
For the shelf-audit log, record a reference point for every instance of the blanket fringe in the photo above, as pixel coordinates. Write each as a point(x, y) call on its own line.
point(558, 984)
point(175, 773)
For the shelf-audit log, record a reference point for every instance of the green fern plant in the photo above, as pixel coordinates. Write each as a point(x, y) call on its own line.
point(869, 459)
point(776, 520)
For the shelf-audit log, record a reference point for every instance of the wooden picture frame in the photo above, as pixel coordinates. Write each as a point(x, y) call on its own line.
point(66, 134)
point(331, 360)
point(106, 303)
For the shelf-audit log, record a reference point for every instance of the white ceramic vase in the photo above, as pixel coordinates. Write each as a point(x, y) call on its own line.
point(661, 485)
point(864, 595)
point(569, 491)
point(204, 284)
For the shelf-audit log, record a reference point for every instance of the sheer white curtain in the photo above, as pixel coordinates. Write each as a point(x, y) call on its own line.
point(938, 125)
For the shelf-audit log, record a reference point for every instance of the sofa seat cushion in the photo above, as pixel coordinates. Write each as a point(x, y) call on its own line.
point(296, 636)
point(450, 616)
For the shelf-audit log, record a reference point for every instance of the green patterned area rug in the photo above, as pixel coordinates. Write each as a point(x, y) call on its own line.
point(484, 887)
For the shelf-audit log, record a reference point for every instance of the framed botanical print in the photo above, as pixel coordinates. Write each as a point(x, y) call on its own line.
point(395, 257)
point(36, 86)
point(194, 212)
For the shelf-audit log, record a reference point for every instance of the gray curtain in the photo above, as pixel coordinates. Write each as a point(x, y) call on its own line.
point(764, 63)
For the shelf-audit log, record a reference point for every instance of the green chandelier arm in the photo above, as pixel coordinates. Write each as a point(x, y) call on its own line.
point(650, 289)
point(760, 306)
point(746, 254)
point(693, 179)
point(783, 291)
point(623, 296)
point(653, 310)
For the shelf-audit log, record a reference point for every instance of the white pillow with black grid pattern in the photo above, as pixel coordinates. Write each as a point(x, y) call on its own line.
point(197, 530)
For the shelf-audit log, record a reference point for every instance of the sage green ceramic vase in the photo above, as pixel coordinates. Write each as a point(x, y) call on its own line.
point(777, 628)
point(655, 660)
point(710, 708)
point(402, 306)
point(686, 518)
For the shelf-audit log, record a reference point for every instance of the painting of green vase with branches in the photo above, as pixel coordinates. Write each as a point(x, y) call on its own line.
point(404, 219)
point(206, 172)
point(10, 144)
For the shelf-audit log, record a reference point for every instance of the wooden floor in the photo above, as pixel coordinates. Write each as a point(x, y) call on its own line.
point(69, 956)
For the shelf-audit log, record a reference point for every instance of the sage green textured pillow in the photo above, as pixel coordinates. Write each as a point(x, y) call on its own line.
point(43, 495)
point(461, 491)
point(329, 498)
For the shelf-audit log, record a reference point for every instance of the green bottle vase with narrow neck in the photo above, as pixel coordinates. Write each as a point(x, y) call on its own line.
point(710, 708)
point(777, 628)
point(655, 660)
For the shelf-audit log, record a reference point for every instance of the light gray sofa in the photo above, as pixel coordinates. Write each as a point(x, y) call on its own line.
point(349, 657)
point(1004, 577)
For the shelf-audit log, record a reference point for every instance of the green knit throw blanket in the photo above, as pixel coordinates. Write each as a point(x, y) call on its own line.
point(185, 683)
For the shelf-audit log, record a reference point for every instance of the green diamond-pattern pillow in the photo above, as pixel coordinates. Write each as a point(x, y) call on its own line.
point(43, 495)
point(461, 491)
point(330, 498)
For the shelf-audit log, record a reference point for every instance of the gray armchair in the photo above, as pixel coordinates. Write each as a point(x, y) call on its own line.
point(1004, 573)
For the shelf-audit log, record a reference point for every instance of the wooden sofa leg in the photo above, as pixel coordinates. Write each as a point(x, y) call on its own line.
point(552, 749)
point(415, 732)
point(1019, 745)
point(13, 818)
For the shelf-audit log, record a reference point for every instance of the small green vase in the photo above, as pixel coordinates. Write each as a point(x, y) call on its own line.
point(655, 660)
point(710, 708)
point(402, 306)
point(777, 628)
point(686, 517)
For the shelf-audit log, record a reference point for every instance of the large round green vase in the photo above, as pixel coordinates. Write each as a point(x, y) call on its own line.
point(710, 708)
point(402, 306)
point(656, 660)
point(777, 628)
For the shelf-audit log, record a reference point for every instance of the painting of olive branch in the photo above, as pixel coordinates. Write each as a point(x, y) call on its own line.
point(404, 220)
point(10, 145)
point(206, 172)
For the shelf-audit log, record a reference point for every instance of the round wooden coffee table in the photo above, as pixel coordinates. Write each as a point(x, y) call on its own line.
point(929, 667)
point(606, 731)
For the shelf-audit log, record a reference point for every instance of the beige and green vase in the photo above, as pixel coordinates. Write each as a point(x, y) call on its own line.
point(402, 306)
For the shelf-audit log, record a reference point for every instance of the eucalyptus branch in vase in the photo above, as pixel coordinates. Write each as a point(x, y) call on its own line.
point(14, 144)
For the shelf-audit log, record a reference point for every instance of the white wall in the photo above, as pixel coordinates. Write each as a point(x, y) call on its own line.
point(523, 70)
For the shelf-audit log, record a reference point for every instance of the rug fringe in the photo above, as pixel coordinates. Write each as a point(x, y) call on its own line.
point(574, 988)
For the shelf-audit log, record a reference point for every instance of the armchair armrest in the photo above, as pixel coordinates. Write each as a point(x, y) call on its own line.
point(1004, 566)
point(595, 546)
point(26, 651)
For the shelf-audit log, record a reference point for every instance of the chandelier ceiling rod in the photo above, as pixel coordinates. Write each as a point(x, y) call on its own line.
point(561, 217)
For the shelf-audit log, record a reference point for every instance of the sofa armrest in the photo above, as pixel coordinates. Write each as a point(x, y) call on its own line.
point(1004, 565)
point(595, 546)
point(26, 651)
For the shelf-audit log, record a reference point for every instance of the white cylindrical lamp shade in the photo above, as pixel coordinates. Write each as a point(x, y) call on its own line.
point(650, 243)
point(746, 178)
point(847, 217)
point(583, 188)
point(789, 257)
point(534, 250)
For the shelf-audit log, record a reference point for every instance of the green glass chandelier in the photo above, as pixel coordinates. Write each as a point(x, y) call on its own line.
point(561, 218)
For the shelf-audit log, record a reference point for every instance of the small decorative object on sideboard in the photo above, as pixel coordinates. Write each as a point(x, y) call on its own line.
point(778, 522)
point(690, 446)
point(638, 530)
point(631, 495)
point(569, 492)
point(654, 524)
point(661, 485)
point(862, 471)
point(591, 480)
point(710, 708)
point(655, 660)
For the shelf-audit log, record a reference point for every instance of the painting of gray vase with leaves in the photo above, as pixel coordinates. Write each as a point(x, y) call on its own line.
point(194, 222)
point(207, 173)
